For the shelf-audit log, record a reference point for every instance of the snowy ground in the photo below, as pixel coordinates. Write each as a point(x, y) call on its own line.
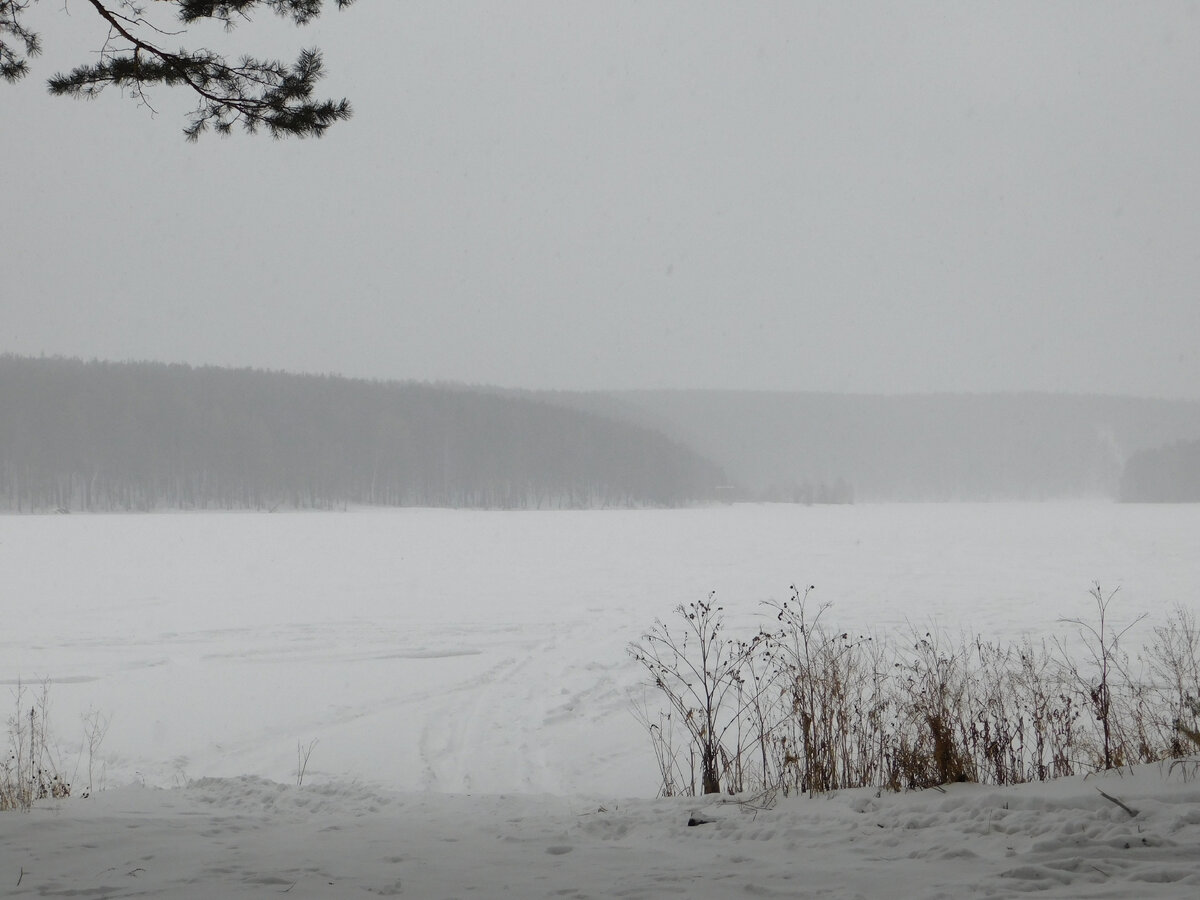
point(247, 837)
point(465, 677)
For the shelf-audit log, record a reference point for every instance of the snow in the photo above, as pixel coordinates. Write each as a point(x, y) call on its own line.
point(465, 678)
point(249, 837)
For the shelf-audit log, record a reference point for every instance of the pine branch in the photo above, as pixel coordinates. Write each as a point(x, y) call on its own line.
point(299, 11)
point(251, 93)
point(14, 60)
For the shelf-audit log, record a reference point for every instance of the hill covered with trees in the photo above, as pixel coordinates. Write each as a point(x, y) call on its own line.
point(137, 436)
point(934, 447)
point(1169, 474)
point(133, 436)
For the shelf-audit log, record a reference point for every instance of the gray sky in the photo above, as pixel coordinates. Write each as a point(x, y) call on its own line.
point(851, 197)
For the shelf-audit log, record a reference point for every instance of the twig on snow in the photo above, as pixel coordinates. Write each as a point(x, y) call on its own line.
point(1111, 799)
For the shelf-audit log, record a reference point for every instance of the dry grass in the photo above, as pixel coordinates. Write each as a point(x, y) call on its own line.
point(804, 707)
point(30, 770)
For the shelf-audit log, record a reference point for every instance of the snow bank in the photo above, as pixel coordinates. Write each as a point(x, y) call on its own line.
point(249, 837)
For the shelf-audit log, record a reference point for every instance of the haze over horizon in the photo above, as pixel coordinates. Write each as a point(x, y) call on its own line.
point(860, 198)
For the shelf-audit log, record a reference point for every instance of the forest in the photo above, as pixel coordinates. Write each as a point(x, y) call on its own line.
point(104, 436)
point(78, 435)
point(911, 447)
point(1169, 474)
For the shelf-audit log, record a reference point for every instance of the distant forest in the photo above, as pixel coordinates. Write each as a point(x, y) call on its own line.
point(1168, 474)
point(102, 436)
point(137, 436)
point(916, 447)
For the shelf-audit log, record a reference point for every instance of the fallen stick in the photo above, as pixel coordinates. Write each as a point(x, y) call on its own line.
point(1132, 812)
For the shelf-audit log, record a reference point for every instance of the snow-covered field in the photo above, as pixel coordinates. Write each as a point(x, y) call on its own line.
point(465, 678)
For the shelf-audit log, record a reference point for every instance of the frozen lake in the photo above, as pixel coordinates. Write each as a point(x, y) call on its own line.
point(485, 651)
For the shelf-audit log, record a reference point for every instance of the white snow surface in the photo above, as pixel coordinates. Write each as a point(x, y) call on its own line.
point(248, 837)
point(464, 675)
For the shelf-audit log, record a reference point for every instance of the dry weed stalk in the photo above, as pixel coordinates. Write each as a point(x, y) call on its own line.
point(30, 771)
point(699, 672)
point(807, 708)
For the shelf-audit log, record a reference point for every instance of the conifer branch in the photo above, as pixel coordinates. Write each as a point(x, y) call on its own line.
point(14, 60)
point(251, 92)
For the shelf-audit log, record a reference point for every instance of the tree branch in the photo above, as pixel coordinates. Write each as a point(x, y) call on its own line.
point(254, 93)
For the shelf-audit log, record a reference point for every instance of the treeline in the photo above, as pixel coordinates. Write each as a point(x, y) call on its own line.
point(940, 447)
point(808, 493)
point(80, 435)
point(1168, 474)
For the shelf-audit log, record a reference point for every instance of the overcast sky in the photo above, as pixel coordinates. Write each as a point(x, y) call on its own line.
point(862, 197)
